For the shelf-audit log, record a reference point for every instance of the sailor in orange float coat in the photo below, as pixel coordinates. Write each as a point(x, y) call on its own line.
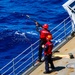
point(48, 54)
point(43, 33)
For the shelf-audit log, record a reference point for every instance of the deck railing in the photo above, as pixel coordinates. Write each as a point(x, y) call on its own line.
point(28, 57)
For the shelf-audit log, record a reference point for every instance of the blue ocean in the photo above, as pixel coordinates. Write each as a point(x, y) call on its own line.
point(17, 31)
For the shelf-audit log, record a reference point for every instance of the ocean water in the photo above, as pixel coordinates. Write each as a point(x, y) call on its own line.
point(17, 31)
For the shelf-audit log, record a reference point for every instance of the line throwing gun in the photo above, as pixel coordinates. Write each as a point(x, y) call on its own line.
point(37, 24)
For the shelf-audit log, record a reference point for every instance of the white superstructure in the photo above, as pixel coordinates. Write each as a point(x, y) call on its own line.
point(69, 6)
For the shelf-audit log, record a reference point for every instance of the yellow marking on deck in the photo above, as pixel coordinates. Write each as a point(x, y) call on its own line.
point(61, 55)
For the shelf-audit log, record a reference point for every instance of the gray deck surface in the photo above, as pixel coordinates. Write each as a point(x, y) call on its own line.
point(61, 61)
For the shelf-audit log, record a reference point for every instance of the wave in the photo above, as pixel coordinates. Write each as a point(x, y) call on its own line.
point(17, 32)
point(32, 33)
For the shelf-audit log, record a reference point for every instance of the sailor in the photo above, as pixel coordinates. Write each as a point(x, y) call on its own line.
point(43, 33)
point(48, 54)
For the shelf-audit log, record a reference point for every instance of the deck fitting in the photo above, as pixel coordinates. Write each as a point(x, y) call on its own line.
point(71, 55)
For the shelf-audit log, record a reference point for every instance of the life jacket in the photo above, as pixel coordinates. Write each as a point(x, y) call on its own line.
point(44, 33)
point(50, 47)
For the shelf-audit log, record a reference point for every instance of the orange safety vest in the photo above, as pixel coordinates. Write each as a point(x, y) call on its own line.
point(50, 47)
point(44, 33)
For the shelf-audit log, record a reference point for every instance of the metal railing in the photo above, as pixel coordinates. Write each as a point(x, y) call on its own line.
point(28, 57)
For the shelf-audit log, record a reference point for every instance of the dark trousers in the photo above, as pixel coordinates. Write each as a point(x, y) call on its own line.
point(48, 60)
point(41, 49)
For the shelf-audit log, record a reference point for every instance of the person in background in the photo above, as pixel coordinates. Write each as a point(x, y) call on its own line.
point(43, 34)
point(48, 54)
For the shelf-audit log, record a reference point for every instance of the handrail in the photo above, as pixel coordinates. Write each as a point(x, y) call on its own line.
point(23, 62)
point(61, 23)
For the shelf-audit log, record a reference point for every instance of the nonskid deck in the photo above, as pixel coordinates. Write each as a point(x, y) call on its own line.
point(60, 63)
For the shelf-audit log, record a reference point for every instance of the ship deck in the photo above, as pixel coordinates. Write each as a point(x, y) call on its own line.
point(60, 59)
